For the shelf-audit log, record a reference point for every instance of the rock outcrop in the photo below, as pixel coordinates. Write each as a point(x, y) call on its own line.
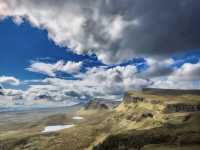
point(132, 99)
point(170, 106)
point(170, 91)
point(155, 119)
point(96, 105)
point(181, 107)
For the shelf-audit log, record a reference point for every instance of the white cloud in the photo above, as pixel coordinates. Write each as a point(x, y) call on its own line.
point(96, 82)
point(157, 68)
point(11, 97)
point(185, 77)
point(71, 67)
point(114, 30)
point(51, 69)
point(44, 68)
point(105, 82)
point(166, 83)
point(187, 72)
point(9, 80)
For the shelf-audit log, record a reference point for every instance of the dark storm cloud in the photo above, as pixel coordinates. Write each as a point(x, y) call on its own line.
point(164, 27)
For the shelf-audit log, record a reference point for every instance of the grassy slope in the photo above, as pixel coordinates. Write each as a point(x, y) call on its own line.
point(127, 127)
point(161, 132)
point(77, 138)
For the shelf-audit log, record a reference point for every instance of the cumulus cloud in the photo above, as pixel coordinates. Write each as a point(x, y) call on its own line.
point(44, 68)
point(185, 77)
point(166, 83)
point(71, 67)
point(114, 30)
point(51, 69)
point(96, 82)
point(9, 80)
point(106, 82)
point(11, 98)
point(158, 68)
point(187, 72)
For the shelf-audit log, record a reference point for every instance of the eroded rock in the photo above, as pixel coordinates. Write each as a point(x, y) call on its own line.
point(181, 107)
point(132, 99)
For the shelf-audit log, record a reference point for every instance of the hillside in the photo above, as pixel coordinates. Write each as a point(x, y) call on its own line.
point(149, 121)
point(171, 91)
point(98, 106)
point(145, 120)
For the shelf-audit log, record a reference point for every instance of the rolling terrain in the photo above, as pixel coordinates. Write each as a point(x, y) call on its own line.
point(152, 119)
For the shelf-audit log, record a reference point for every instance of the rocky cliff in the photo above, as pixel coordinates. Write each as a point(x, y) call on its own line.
point(170, 103)
point(128, 98)
point(148, 120)
point(96, 105)
point(182, 107)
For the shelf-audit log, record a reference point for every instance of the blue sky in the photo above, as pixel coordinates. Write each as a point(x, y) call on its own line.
point(66, 54)
point(22, 43)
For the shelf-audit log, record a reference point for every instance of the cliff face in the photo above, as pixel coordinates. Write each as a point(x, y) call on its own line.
point(96, 105)
point(144, 119)
point(181, 107)
point(169, 105)
point(132, 99)
point(101, 104)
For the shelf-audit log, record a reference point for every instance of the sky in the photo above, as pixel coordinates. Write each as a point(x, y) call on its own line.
point(60, 53)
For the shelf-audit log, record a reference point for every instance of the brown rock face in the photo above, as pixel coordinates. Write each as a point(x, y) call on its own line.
point(181, 107)
point(132, 99)
point(96, 105)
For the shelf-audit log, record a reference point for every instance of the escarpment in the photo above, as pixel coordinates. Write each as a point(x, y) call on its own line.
point(169, 104)
point(132, 98)
point(100, 105)
point(181, 107)
point(155, 120)
point(96, 105)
